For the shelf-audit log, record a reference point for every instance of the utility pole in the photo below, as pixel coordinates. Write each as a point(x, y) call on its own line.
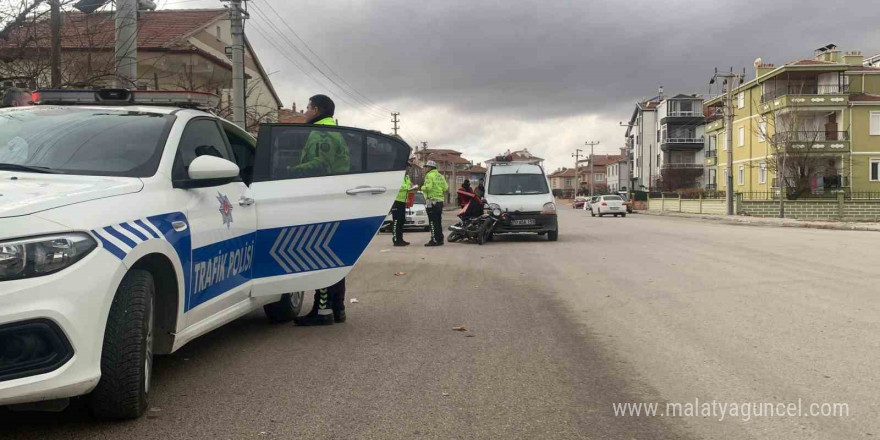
point(592, 179)
point(395, 120)
point(577, 184)
point(55, 60)
point(424, 145)
point(629, 163)
point(728, 125)
point(126, 43)
point(236, 18)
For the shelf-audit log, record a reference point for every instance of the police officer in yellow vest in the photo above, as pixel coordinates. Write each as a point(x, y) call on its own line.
point(435, 188)
point(398, 210)
point(325, 153)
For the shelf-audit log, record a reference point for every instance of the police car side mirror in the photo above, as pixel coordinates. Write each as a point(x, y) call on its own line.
point(207, 171)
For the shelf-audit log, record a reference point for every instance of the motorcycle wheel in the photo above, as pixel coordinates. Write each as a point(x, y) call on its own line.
point(482, 233)
point(453, 237)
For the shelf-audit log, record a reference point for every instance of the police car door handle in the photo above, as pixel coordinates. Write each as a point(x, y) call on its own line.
point(366, 190)
point(245, 201)
point(179, 226)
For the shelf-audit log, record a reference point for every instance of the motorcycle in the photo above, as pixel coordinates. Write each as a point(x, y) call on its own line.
point(477, 229)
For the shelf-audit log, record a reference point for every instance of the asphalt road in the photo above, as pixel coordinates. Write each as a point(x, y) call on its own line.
point(641, 309)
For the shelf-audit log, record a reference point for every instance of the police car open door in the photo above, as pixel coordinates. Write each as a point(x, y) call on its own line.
point(321, 194)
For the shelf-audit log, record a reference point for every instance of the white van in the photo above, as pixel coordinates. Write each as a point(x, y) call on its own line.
point(523, 192)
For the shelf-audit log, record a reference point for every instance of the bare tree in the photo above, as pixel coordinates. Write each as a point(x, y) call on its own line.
point(88, 60)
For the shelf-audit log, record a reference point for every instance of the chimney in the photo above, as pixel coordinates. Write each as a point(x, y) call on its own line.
point(762, 69)
point(854, 58)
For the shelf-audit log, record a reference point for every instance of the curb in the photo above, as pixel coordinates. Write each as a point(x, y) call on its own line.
point(760, 221)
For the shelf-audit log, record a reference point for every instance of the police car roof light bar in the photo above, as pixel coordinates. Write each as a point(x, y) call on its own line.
point(188, 99)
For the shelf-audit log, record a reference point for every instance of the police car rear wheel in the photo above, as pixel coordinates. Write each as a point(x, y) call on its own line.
point(126, 356)
point(285, 309)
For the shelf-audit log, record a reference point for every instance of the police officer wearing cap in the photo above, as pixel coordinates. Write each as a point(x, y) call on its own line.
point(435, 188)
point(325, 153)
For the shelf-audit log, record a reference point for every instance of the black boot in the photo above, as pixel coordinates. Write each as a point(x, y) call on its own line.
point(321, 313)
point(316, 319)
point(337, 299)
point(339, 316)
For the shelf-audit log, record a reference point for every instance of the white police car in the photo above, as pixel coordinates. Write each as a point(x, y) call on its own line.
point(129, 229)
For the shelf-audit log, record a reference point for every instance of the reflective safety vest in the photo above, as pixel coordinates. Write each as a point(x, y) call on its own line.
point(435, 186)
point(404, 189)
point(325, 153)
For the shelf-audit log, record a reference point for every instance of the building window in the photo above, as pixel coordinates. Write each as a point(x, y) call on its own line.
point(875, 123)
point(459, 179)
point(740, 178)
point(726, 174)
point(599, 178)
point(742, 137)
point(875, 170)
point(741, 100)
point(762, 131)
point(567, 182)
point(762, 174)
point(724, 137)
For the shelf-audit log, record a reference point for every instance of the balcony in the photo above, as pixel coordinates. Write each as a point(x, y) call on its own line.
point(814, 89)
point(831, 141)
point(682, 166)
point(711, 186)
point(687, 144)
point(683, 117)
point(803, 96)
point(711, 158)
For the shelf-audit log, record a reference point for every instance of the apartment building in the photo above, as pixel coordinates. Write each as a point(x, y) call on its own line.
point(821, 114)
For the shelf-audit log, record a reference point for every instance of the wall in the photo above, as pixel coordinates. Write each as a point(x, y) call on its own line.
point(865, 147)
point(691, 206)
point(857, 210)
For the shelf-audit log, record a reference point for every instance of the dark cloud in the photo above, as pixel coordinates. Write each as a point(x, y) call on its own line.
point(554, 58)
point(486, 75)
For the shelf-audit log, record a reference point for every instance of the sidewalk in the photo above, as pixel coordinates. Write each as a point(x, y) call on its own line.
point(779, 222)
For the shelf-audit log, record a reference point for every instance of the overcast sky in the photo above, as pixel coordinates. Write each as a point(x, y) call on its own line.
point(484, 76)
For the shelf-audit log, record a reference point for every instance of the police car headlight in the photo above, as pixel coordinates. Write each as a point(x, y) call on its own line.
point(34, 257)
point(421, 213)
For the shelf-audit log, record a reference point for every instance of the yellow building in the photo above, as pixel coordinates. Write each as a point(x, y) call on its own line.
point(821, 114)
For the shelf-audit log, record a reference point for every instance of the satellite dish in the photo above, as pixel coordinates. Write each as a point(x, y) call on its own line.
point(757, 62)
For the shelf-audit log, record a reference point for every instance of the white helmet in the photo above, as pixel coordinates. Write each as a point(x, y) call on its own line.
point(431, 163)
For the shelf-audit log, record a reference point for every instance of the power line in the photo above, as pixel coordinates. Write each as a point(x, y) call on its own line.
point(302, 69)
point(302, 54)
point(353, 89)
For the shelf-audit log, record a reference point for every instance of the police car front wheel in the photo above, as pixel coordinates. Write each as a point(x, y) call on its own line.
point(127, 355)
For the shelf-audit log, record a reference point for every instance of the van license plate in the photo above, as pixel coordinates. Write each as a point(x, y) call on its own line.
point(523, 222)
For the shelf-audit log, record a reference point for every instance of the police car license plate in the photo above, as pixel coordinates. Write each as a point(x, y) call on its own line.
point(409, 219)
point(523, 222)
point(614, 208)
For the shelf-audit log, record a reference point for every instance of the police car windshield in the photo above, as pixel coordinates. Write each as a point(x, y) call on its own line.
point(75, 140)
point(516, 184)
